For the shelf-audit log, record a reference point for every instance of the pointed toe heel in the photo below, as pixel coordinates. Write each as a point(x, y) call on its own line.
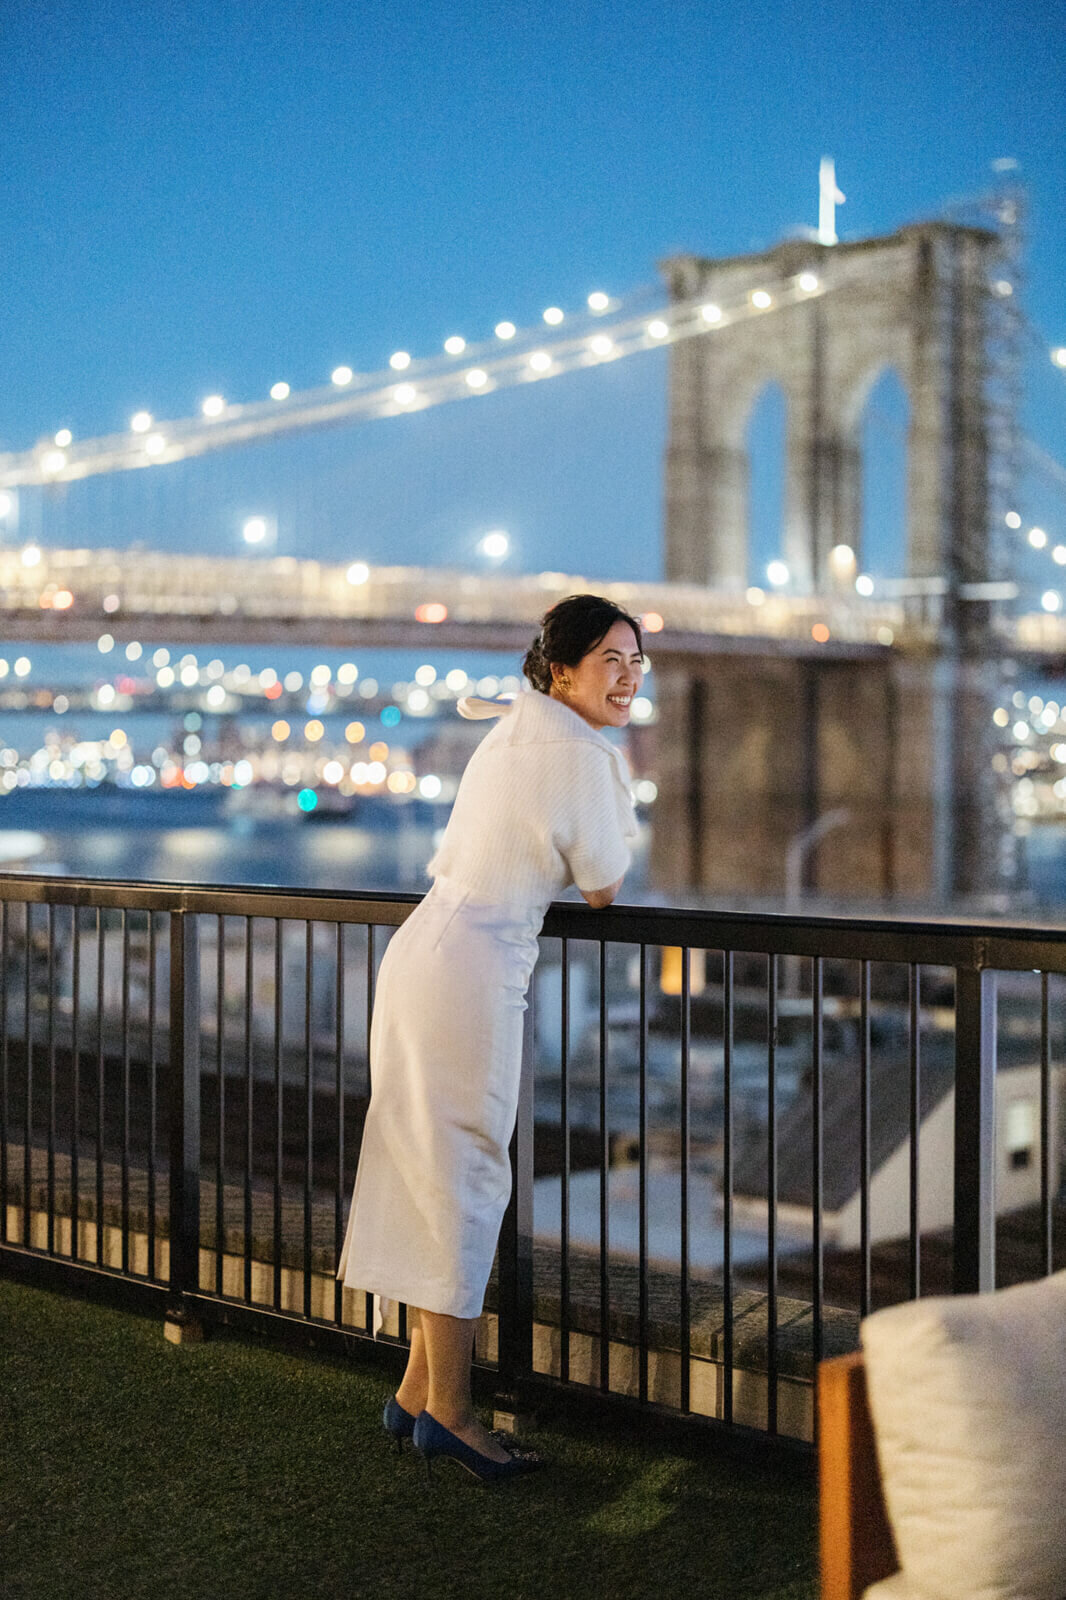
point(432, 1440)
point(398, 1423)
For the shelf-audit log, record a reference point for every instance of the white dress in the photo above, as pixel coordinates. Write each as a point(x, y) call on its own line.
point(544, 803)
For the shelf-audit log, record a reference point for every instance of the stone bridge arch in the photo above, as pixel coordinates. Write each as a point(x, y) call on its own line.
point(914, 301)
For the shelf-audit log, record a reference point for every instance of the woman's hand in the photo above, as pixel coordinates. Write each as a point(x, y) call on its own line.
point(598, 898)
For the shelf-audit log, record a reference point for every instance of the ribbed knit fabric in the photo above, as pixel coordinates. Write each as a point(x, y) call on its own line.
point(544, 802)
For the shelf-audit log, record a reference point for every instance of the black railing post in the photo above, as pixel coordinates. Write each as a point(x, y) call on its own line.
point(974, 1244)
point(184, 1116)
point(515, 1269)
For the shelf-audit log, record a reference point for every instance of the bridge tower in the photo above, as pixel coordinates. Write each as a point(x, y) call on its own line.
point(754, 750)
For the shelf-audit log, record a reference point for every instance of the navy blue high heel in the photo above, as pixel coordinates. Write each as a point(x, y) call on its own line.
point(399, 1424)
point(432, 1440)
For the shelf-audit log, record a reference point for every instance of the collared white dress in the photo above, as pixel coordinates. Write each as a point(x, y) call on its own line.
point(544, 802)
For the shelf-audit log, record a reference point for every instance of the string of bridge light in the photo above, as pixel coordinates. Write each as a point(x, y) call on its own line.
point(511, 356)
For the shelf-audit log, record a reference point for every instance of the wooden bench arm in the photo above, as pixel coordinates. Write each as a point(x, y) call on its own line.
point(854, 1536)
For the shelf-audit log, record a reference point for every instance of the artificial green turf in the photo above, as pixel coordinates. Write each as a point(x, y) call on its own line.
point(130, 1467)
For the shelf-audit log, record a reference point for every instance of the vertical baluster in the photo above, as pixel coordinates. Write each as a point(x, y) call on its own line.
point(1046, 1135)
point(914, 1247)
point(974, 1265)
point(75, 1074)
point(220, 1100)
point(279, 1129)
point(153, 1090)
point(4, 1072)
point(727, 1184)
point(249, 1108)
point(642, 1184)
point(371, 979)
point(183, 1115)
point(564, 1176)
point(771, 1194)
point(125, 1024)
point(338, 1192)
point(50, 1045)
point(101, 949)
point(864, 1139)
point(605, 1197)
point(685, 1307)
point(27, 1148)
point(817, 1260)
point(309, 1091)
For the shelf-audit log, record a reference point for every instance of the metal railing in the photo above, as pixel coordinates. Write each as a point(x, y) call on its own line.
point(716, 1111)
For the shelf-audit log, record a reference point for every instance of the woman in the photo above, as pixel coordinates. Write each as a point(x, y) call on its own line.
point(544, 802)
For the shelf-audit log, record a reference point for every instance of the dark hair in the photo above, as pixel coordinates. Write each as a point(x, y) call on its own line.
point(569, 631)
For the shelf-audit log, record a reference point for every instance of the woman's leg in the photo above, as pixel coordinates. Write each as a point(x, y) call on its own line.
point(414, 1390)
point(438, 1376)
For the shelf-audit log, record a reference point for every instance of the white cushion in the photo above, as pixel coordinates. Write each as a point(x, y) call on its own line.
point(968, 1398)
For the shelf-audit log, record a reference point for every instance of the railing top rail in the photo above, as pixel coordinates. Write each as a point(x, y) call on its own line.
point(934, 941)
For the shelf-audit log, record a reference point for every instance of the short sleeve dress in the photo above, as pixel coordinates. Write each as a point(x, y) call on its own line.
point(544, 802)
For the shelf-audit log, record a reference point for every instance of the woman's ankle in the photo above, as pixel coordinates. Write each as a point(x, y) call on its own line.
point(411, 1399)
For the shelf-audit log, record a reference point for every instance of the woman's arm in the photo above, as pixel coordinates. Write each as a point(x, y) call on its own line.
point(598, 898)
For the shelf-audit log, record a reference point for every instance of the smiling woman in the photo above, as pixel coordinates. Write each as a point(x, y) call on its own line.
point(544, 802)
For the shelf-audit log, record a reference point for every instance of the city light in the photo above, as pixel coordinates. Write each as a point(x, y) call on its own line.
point(358, 572)
point(553, 316)
point(777, 573)
point(53, 461)
point(1058, 555)
point(651, 622)
point(820, 633)
point(405, 394)
point(141, 421)
point(347, 672)
point(711, 314)
point(658, 329)
point(155, 444)
point(455, 345)
point(313, 730)
point(280, 391)
point(254, 530)
point(755, 596)
point(213, 406)
point(808, 282)
point(63, 438)
point(341, 376)
point(505, 330)
point(425, 675)
point(477, 378)
point(1037, 538)
point(399, 361)
point(431, 611)
point(540, 361)
point(598, 301)
point(430, 786)
point(1051, 600)
point(355, 733)
point(864, 585)
point(601, 345)
point(7, 503)
point(1013, 520)
point(495, 545)
point(31, 556)
point(1058, 355)
point(134, 651)
point(761, 300)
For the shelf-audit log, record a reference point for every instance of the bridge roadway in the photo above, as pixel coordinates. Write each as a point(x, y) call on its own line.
point(68, 596)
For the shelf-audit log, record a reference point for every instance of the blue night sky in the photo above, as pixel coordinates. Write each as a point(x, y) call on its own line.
point(203, 196)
